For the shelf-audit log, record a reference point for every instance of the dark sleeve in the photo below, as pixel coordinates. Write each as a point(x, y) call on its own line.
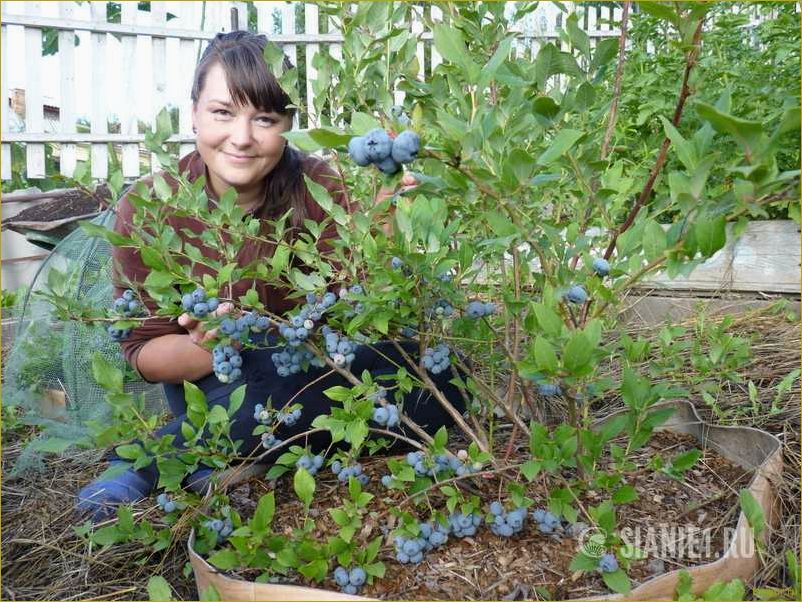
point(128, 271)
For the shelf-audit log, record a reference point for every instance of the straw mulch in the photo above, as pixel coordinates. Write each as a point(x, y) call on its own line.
point(43, 559)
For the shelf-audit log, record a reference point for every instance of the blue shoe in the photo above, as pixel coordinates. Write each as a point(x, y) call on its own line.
point(198, 481)
point(98, 501)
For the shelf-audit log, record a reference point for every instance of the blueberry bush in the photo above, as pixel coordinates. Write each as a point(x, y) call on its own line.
point(504, 264)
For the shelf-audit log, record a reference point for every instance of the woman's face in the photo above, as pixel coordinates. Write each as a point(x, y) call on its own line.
point(239, 144)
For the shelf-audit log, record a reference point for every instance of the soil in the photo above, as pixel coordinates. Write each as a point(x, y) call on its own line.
point(75, 204)
point(530, 564)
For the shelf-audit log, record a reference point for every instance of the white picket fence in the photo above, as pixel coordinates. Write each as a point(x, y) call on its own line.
point(118, 52)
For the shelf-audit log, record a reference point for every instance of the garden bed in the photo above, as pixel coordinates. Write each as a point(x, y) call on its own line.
point(43, 559)
point(530, 564)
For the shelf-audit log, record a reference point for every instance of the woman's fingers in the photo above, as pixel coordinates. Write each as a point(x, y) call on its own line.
point(187, 321)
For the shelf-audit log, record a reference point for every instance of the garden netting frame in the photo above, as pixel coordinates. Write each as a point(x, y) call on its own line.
point(48, 370)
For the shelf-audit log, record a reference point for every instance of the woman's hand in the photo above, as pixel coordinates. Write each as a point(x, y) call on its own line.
point(195, 329)
point(408, 182)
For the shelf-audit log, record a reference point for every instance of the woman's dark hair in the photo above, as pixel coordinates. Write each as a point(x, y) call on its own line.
point(240, 54)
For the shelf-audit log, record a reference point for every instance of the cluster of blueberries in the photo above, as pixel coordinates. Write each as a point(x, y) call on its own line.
point(441, 309)
point(384, 414)
point(166, 503)
point(291, 361)
point(345, 472)
point(227, 363)
point(442, 462)
point(311, 463)
point(222, 527)
point(385, 153)
point(506, 524)
point(239, 328)
point(198, 305)
point(411, 549)
point(125, 306)
point(340, 348)
point(479, 309)
point(350, 581)
point(547, 522)
point(264, 416)
point(436, 360)
point(464, 525)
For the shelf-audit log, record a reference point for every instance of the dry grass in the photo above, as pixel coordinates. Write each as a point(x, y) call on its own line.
point(42, 558)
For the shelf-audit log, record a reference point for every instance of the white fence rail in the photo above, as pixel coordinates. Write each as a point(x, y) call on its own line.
point(125, 72)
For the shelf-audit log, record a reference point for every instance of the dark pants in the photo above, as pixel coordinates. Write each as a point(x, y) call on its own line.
point(259, 373)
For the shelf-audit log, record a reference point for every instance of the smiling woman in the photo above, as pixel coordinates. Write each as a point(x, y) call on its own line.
point(239, 115)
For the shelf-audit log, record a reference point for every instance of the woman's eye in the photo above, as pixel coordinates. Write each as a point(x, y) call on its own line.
point(265, 120)
point(221, 112)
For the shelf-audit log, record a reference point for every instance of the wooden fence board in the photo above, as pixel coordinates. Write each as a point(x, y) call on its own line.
point(766, 258)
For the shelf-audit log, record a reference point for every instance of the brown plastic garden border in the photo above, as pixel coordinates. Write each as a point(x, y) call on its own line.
point(746, 446)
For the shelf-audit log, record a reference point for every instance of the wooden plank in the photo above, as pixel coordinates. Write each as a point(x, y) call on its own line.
point(765, 258)
point(436, 17)
point(288, 29)
point(98, 114)
point(658, 310)
point(85, 138)
point(158, 16)
point(188, 13)
point(417, 27)
point(34, 101)
point(128, 117)
point(213, 8)
point(5, 149)
point(311, 14)
point(67, 115)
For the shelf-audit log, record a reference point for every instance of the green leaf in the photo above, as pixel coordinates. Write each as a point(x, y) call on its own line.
point(329, 137)
point(225, 560)
point(217, 415)
point(583, 562)
point(323, 198)
point(131, 451)
point(606, 50)
point(746, 133)
point(51, 445)
point(491, 67)
point(685, 461)
point(159, 589)
point(545, 356)
point(662, 10)
point(562, 143)
point(235, 400)
point(617, 581)
point(654, 240)
point(548, 320)
point(362, 123)
point(551, 61)
point(754, 513)
point(530, 469)
point(450, 44)
point(152, 258)
point(265, 510)
point(624, 495)
point(577, 354)
point(579, 39)
point(106, 375)
point(710, 235)
point(304, 486)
